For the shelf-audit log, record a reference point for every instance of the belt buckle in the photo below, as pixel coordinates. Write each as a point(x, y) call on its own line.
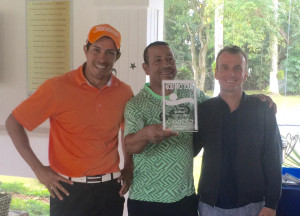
point(94, 179)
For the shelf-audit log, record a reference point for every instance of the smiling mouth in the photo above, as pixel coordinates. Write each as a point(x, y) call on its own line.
point(167, 75)
point(230, 81)
point(100, 67)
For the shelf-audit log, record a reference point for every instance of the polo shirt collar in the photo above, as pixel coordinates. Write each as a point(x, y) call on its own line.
point(243, 99)
point(148, 89)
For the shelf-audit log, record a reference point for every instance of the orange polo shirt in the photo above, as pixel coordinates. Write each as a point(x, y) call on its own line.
point(84, 122)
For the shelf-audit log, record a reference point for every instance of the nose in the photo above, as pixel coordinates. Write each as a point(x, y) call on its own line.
point(231, 72)
point(101, 57)
point(166, 63)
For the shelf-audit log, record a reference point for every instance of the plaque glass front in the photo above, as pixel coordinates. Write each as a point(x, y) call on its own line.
point(179, 106)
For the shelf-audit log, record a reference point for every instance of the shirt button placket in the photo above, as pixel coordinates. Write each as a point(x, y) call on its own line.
point(99, 100)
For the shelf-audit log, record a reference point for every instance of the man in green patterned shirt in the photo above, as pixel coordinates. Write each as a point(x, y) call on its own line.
point(163, 160)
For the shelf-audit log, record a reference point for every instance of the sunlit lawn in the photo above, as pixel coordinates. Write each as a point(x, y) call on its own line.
point(197, 169)
point(27, 195)
point(282, 102)
point(33, 183)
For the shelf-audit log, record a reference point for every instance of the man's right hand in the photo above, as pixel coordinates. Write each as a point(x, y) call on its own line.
point(156, 134)
point(136, 142)
point(51, 180)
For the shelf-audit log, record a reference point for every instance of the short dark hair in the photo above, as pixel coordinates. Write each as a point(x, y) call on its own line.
point(232, 49)
point(156, 43)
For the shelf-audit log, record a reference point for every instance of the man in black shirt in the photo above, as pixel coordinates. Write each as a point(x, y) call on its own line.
point(241, 167)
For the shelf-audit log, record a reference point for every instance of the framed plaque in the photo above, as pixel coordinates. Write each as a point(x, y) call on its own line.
point(179, 108)
point(49, 40)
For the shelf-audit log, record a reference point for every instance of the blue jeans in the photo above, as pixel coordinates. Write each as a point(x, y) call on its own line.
point(252, 209)
point(99, 199)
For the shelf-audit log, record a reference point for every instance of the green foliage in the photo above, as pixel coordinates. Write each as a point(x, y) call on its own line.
point(291, 75)
point(188, 23)
point(19, 187)
point(248, 24)
point(184, 74)
point(176, 36)
point(280, 75)
point(31, 188)
point(13, 187)
point(33, 207)
point(291, 83)
point(214, 65)
point(290, 61)
point(258, 70)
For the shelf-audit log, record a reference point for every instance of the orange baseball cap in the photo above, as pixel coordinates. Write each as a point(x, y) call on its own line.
point(102, 30)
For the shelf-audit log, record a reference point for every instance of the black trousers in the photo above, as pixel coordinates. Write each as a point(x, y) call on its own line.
point(98, 199)
point(185, 207)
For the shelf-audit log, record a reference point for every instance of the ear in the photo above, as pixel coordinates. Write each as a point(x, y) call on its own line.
point(216, 73)
point(85, 50)
point(146, 68)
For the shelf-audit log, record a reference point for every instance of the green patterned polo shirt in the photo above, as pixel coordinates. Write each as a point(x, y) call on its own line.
point(162, 172)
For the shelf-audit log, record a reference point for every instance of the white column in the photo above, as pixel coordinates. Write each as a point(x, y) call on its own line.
point(218, 39)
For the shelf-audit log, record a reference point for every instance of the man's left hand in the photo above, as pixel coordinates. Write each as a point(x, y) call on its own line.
point(264, 98)
point(267, 212)
point(126, 179)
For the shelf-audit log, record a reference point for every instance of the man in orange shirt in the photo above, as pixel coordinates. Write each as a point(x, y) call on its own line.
point(85, 108)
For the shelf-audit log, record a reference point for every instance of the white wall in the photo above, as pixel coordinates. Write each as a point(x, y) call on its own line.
point(13, 85)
